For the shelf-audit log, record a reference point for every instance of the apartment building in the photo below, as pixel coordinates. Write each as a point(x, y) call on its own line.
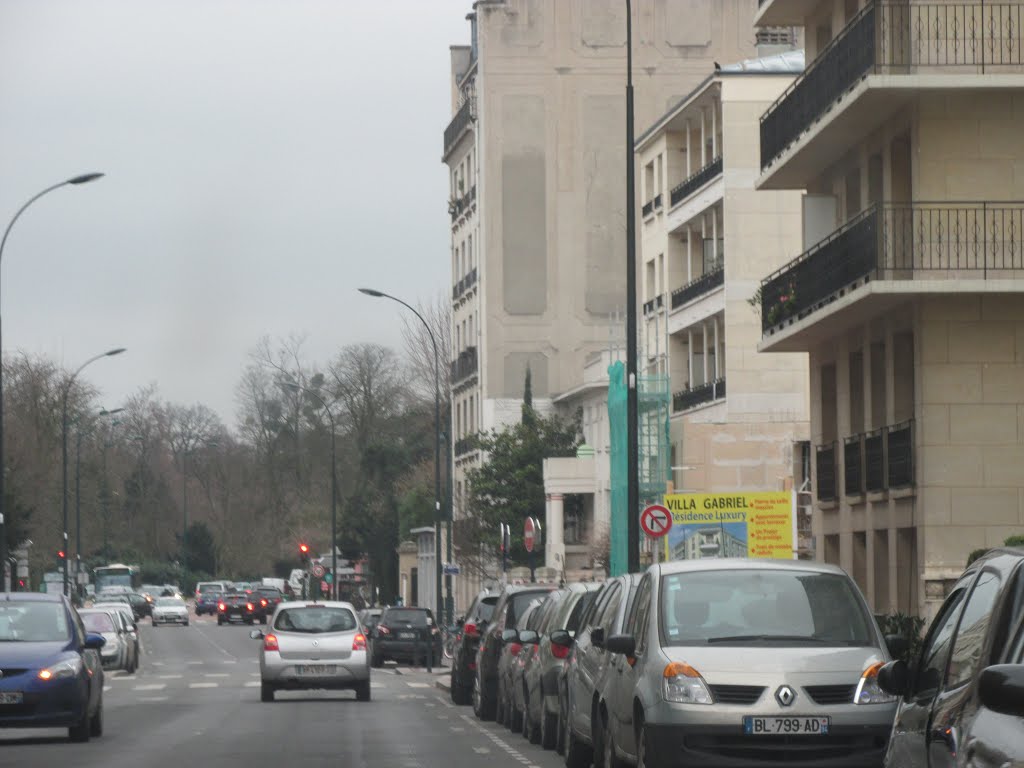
point(904, 130)
point(739, 419)
point(536, 157)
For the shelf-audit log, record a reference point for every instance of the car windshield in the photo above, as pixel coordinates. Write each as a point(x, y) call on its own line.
point(770, 606)
point(315, 619)
point(33, 622)
point(98, 622)
point(169, 601)
point(270, 591)
point(405, 617)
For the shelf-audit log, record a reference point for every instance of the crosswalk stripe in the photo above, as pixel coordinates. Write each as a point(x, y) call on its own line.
point(216, 674)
point(150, 687)
point(203, 685)
point(170, 677)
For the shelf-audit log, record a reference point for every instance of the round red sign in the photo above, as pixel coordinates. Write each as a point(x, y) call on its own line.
point(656, 520)
point(529, 534)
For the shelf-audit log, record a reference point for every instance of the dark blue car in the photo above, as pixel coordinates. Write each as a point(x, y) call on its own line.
point(52, 675)
point(207, 603)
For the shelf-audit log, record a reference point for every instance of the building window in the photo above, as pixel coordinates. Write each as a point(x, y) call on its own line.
point(776, 36)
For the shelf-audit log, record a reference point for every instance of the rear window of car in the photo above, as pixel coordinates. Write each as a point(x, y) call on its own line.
point(519, 603)
point(485, 609)
point(315, 620)
point(209, 586)
point(98, 622)
point(172, 601)
point(407, 617)
point(270, 591)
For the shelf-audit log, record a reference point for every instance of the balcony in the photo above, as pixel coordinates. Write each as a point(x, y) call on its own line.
point(887, 37)
point(459, 205)
point(654, 304)
point(853, 465)
point(698, 287)
point(464, 446)
point(705, 393)
point(464, 366)
point(648, 208)
point(464, 285)
point(874, 460)
point(930, 244)
point(825, 464)
point(458, 126)
point(697, 180)
point(878, 461)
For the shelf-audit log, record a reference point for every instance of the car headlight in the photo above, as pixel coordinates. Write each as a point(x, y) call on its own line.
point(683, 684)
point(868, 691)
point(62, 669)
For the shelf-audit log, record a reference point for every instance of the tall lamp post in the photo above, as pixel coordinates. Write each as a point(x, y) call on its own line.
point(449, 602)
point(64, 447)
point(78, 491)
point(83, 179)
point(334, 484)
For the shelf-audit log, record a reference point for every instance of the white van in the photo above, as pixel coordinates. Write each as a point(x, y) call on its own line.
point(212, 586)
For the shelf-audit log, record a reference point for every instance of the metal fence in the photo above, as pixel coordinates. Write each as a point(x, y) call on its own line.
point(695, 181)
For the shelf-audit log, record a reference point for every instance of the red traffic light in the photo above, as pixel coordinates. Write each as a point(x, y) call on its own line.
point(304, 549)
point(60, 553)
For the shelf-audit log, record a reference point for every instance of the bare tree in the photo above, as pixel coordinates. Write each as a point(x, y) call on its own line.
point(420, 350)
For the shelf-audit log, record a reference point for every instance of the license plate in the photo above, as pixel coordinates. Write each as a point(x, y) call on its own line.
point(760, 726)
point(314, 669)
point(11, 697)
point(406, 635)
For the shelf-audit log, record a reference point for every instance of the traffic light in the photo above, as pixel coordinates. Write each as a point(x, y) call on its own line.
point(60, 555)
point(304, 552)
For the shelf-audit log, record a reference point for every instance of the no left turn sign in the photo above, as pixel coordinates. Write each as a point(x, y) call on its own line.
point(656, 521)
point(318, 571)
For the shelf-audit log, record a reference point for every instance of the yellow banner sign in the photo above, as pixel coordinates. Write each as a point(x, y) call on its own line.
point(754, 524)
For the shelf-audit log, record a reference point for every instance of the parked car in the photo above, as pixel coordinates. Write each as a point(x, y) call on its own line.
point(235, 607)
point(512, 601)
point(467, 639)
point(313, 646)
point(543, 669)
point(126, 613)
point(406, 634)
point(170, 610)
point(119, 651)
point(728, 660)
point(370, 617)
point(588, 666)
point(207, 602)
point(53, 677)
point(515, 641)
point(963, 696)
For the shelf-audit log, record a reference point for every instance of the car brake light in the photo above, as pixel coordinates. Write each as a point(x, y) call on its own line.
point(270, 643)
point(263, 602)
point(515, 648)
point(248, 606)
point(560, 651)
point(383, 630)
point(359, 643)
point(221, 607)
point(470, 629)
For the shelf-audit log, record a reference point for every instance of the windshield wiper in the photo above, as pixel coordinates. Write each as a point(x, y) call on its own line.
point(755, 638)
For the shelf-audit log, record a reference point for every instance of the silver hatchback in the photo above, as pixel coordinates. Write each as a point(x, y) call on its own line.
point(738, 662)
point(311, 646)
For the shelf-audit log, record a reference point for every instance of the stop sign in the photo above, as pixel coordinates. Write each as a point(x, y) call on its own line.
point(529, 534)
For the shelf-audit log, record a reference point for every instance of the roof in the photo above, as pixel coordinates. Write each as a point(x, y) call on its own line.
point(787, 63)
point(745, 563)
point(31, 597)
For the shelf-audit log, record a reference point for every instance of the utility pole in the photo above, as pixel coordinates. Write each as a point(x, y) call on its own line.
point(632, 416)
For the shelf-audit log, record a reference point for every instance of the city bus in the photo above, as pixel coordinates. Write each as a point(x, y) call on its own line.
point(117, 575)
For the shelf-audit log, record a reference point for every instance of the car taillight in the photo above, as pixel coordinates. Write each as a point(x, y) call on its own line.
point(270, 643)
point(263, 602)
point(383, 630)
point(560, 651)
point(221, 607)
point(470, 630)
point(359, 643)
point(248, 606)
point(515, 648)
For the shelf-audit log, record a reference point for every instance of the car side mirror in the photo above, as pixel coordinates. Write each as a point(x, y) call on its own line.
point(1001, 689)
point(94, 641)
point(597, 637)
point(529, 637)
point(256, 634)
point(561, 637)
point(898, 645)
point(894, 678)
point(623, 644)
point(509, 636)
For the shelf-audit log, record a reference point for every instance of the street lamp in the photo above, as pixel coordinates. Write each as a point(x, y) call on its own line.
point(449, 603)
point(78, 490)
point(83, 179)
point(334, 485)
point(64, 446)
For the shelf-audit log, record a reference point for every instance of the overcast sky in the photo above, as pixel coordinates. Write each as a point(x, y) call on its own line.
point(264, 158)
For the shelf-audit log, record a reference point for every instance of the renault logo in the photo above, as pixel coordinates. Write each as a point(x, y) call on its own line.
point(785, 695)
point(316, 643)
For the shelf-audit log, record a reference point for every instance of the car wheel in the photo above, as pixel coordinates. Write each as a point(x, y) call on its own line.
point(502, 712)
point(461, 695)
point(483, 705)
point(563, 729)
point(577, 754)
point(376, 661)
point(643, 754)
point(96, 721)
point(611, 758)
point(531, 730)
point(220, 620)
point(250, 621)
point(80, 733)
point(548, 726)
point(185, 624)
point(597, 734)
point(266, 692)
point(363, 691)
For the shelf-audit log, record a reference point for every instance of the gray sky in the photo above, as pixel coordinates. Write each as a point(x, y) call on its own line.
point(264, 158)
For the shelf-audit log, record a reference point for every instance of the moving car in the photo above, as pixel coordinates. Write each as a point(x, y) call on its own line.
point(265, 601)
point(466, 642)
point(313, 646)
point(963, 696)
point(727, 661)
point(406, 634)
point(207, 602)
point(235, 607)
point(140, 605)
point(170, 610)
point(52, 677)
point(212, 586)
point(119, 651)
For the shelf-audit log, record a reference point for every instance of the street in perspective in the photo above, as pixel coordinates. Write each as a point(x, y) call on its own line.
point(590, 383)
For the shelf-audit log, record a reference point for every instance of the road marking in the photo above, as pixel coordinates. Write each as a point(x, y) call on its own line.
point(252, 684)
point(203, 685)
point(216, 674)
point(153, 698)
point(150, 687)
point(194, 663)
point(498, 742)
point(107, 688)
point(418, 685)
point(481, 750)
point(170, 677)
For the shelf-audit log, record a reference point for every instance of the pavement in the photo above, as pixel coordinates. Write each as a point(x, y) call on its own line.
point(195, 702)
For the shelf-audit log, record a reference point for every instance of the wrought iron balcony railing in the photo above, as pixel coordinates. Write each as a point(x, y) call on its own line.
point(705, 393)
point(896, 37)
point(698, 287)
point(465, 365)
point(464, 284)
point(653, 304)
point(825, 464)
point(880, 460)
point(899, 446)
point(898, 241)
point(458, 126)
point(648, 208)
point(874, 460)
point(853, 465)
point(697, 180)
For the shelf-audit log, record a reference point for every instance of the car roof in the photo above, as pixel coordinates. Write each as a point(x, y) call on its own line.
point(31, 597)
point(317, 604)
point(746, 564)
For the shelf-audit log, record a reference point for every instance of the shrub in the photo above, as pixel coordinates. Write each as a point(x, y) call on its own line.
point(907, 626)
point(1015, 541)
point(975, 554)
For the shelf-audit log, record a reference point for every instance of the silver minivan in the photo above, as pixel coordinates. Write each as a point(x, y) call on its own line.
point(735, 662)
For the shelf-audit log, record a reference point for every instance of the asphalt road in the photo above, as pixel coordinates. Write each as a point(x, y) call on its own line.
point(195, 702)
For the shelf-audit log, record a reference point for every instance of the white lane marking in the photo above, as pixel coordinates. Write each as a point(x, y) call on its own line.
point(150, 687)
point(107, 688)
point(251, 684)
point(153, 698)
point(170, 677)
point(254, 674)
point(194, 663)
point(231, 661)
point(216, 674)
point(456, 729)
point(418, 685)
point(377, 685)
point(203, 685)
point(481, 750)
point(158, 663)
point(498, 742)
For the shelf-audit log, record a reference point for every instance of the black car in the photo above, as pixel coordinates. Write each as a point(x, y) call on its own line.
point(466, 642)
point(511, 603)
point(963, 696)
point(264, 601)
point(140, 605)
point(235, 607)
point(406, 634)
